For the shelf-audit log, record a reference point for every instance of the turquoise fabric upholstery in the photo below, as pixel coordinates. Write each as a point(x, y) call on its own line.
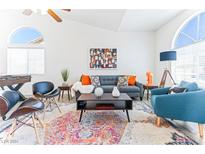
point(190, 86)
point(160, 91)
point(188, 106)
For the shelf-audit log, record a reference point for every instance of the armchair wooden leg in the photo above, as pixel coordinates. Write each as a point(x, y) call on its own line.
point(11, 131)
point(46, 103)
point(39, 120)
point(158, 120)
point(35, 128)
point(44, 113)
point(201, 130)
point(14, 127)
point(54, 101)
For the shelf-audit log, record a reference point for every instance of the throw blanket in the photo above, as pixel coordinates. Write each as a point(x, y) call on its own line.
point(84, 89)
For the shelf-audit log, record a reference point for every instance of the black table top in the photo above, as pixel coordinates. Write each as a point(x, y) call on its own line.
point(105, 97)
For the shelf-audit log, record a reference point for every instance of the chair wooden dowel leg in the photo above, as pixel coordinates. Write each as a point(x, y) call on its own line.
point(44, 113)
point(201, 130)
point(57, 105)
point(35, 128)
point(11, 131)
point(14, 127)
point(158, 120)
point(40, 121)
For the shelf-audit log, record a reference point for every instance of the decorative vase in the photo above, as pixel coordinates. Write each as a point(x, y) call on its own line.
point(98, 92)
point(115, 92)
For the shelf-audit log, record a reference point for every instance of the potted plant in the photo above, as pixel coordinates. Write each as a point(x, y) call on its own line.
point(65, 75)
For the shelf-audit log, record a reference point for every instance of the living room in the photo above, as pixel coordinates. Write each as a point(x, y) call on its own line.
point(102, 76)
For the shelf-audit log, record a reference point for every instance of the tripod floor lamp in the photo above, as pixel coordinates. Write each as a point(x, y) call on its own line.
point(167, 56)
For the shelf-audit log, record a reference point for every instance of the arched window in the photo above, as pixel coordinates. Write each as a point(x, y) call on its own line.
point(25, 52)
point(190, 46)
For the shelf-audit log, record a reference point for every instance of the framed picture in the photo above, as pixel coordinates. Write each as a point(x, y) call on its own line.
point(103, 58)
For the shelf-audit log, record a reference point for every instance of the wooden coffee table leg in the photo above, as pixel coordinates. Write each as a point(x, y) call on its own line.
point(128, 117)
point(81, 114)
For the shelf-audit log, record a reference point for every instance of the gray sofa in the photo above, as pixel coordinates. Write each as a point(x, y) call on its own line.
point(109, 81)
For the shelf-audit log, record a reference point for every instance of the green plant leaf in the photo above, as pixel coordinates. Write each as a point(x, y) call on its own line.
point(65, 74)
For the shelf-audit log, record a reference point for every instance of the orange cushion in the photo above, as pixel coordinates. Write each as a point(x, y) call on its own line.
point(85, 79)
point(131, 80)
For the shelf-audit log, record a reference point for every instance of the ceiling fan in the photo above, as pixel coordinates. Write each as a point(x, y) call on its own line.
point(49, 11)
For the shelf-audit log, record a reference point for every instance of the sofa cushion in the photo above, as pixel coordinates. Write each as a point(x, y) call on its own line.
point(122, 81)
point(129, 89)
point(108, 79)
point(107, 89)
point(190, 86)
point(95, 80)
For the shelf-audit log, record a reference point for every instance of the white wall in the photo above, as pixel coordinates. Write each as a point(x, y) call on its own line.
point(164, 37)
point(67, 46)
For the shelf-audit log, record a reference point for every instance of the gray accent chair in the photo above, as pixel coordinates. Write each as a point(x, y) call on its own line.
point(107, 82)
point(45, 92)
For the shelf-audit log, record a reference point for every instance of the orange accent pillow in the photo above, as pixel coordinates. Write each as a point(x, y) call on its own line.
point(132, 80)
point(85, 79)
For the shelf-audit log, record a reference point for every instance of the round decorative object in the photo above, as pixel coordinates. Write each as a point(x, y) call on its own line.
point(98, 92)
point(115, 92)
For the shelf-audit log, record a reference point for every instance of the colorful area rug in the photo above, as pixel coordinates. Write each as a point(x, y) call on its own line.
point(111, 127)
point(102, 127)
point(95, 128)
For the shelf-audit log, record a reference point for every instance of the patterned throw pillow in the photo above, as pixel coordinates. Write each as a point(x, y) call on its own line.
point(175, 90)
point(95, 81)
point(122, 81)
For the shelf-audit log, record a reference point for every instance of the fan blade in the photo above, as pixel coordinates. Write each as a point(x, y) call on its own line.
point(27, 12)
point(54, 15)
point(68, 10)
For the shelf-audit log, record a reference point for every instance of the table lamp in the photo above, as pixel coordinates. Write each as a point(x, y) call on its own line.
point(167, 56)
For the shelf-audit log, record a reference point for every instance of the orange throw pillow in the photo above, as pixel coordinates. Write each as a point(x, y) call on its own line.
point(131, 80)
point(85, 79)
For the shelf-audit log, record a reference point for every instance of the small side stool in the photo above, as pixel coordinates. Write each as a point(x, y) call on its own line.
point(65, 88)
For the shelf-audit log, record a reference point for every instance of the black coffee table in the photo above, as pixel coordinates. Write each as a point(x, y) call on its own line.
point(106, 102)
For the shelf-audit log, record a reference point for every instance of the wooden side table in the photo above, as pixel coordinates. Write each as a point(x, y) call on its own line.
point(148, 88)
point(65, 88)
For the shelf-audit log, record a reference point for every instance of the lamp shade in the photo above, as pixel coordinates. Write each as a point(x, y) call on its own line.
point(168, 56)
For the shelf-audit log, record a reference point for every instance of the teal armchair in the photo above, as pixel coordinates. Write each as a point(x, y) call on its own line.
point(188, 106)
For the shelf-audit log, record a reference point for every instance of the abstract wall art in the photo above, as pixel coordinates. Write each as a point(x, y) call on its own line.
point(103, 58)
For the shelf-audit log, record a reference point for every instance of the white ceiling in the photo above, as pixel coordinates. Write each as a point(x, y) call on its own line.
point(122, 20)
point(108, 19)
point(116, 19)
point(146, 20)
